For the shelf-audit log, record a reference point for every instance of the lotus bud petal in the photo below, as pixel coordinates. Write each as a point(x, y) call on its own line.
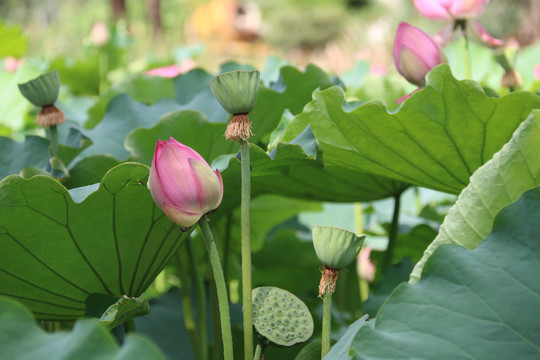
point(451, 9)
point(336, 248)
point(182, 183)
point(236, 91)
point(43, 90)
point(415, 53)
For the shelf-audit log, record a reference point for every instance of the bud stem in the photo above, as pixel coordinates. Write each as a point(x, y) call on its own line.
point(246, 250)
point(221, 288)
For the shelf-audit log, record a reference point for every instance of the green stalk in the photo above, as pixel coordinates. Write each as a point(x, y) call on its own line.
point(53, 133)
point(129, 326)
point(221, 288)
point(246, 250)
point(217, 348)
point(187, 307)
point(462, 25)
point(326, 322)
point(200, 330)
point(392, 235)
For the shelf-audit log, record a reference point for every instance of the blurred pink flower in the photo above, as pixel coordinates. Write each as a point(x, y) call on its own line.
point(481, 33)
point(11, 64)
point(537, 72)
point(182, 183)
point(364, 267)
point(173, 70)
point(451, 9)
point(415, 53)
point(100, 34)
point(378, 69)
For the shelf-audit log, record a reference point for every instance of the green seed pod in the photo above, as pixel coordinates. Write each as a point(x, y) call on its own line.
point(236, 91)
point(278, 303)
point(335, 247)
point(43, 90)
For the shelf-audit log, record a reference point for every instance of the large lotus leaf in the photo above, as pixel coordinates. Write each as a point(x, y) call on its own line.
point(80, 75)
point(123, 115)
point(89, 171)
point(22, 338)
point(296, 169)
point(142, 88)
point(189, 127)
point(469, 304)
point(501, 181)
point(438, 138)
point(60, 248)
point(292, 91)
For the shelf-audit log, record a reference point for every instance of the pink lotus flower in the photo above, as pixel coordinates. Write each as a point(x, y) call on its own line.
point(182, 183)
point(537, 72)
point(451, 9)
point(364, 267)
point(415, 53)
point(100, 34)
point(481, 33)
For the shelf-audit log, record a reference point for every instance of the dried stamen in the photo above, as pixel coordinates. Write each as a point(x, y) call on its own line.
point(238, 128)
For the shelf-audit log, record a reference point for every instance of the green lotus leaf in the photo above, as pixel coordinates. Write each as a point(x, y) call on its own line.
point(43, 90)
point(469, 304)
point(61, 248)
point(335, 247)
point(236, 91)
point(22, 338)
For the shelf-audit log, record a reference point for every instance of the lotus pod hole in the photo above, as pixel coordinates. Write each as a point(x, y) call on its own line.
point(336, 248)
point(43, 90)
point(284, 328)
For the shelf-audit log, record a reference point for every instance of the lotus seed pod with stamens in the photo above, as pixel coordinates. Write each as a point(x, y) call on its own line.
point(43, 90)
point(237, 92)
point(281, 317)
point(336, 248)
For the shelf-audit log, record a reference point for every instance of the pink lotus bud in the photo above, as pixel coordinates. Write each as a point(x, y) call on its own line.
point(451, 9)
point(415, 53)
point(537, 72)
point(364, 267)
point(182, 183)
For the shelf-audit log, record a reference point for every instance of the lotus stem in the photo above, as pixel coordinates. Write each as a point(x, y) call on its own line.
point(200, 293)
point(129, 326)
point(187, 307)
point(326, 322)
point(392, 235)
point(246, 250)
point(221, 288)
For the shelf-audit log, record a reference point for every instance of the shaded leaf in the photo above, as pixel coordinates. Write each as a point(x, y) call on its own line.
point(501, 181)
point(22, 338)
point(34, 151)
point(473, 304)
point(114, 241)
point(189, 127)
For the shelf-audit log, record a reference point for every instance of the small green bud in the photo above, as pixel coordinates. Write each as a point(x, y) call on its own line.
point(43, 90)
point(236, 91)
point(279, 304)
point(336, 248)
